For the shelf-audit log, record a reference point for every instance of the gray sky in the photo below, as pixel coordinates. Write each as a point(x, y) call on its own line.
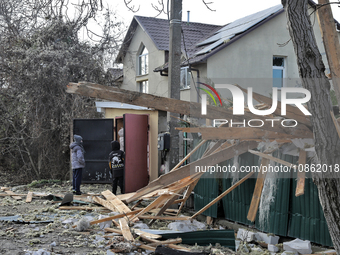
point(225, 10)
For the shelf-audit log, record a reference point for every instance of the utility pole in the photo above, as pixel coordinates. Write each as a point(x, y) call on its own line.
point(331, 43)
point(174, 76)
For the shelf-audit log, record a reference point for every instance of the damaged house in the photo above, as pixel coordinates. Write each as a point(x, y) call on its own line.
point(253, 51)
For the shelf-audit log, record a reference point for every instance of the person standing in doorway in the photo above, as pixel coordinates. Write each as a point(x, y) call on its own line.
point(78, 162)
point(116, 164)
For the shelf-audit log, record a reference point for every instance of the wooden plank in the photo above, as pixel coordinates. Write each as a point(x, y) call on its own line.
point(124, 227)
point(173, 246)
point(211, 133)
point(169, 241)
point(105, 203)
point(186, 170)
point(222, 195)
point(117, 203)
point(187, 195)
point(168, 203)
point(83, 208)
point(192, 109)
point(29, 197)
point(154, 204)
point(13, 195)
point(282, 162)
point(163, 217)
point(4, 188)
point(146, 234)
point(254, 205)
point(300, 186)
point(115, 217)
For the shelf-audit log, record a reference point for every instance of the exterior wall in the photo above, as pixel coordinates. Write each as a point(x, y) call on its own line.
point(248, 61)
point(158, 85)
point(153, 135)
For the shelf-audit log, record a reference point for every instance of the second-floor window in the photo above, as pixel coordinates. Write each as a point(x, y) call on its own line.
point(279, 72)
point(185, 78)
point(143, 61)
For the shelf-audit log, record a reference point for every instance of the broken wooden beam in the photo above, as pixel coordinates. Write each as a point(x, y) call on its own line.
point(117, 203)
point(13, 195)
point(255, 201)
point(125, 229)
point(301, 174)
point(192, 109)
point(280, 161)
point(187, 170)
point(211, 133)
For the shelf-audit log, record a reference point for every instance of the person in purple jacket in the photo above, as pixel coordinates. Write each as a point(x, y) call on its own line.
point(78, 162)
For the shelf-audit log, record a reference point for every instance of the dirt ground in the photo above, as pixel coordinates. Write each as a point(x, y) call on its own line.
point(41, 228)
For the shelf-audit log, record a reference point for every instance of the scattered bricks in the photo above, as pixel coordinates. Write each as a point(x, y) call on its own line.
point(269, 239)
point(245, 235)
point(272, 248)
point(297, 245)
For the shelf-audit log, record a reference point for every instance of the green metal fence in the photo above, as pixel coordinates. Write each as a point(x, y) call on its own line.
point(280, 213)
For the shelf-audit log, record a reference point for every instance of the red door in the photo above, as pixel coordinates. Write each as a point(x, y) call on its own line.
point(136, 129)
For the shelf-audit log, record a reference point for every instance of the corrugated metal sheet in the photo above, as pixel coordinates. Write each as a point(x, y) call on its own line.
point(236, 204)
point(206, 189)
point(307, 220)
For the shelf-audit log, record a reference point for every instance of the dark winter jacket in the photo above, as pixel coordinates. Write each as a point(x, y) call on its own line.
point(116, 160)
point(77, 153)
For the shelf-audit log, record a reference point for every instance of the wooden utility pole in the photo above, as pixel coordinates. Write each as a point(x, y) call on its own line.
point(174, 75)
point(331, 43)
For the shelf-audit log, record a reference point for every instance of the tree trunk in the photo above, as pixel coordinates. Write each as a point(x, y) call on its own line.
point(327, 142)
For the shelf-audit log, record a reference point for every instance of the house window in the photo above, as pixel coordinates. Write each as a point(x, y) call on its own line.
point(279, 72)
point(144, 86)
point(185, 78)
point(143, 62)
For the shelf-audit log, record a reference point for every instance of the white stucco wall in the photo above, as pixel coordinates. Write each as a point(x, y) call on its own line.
point(248, 61)
point(158, 84)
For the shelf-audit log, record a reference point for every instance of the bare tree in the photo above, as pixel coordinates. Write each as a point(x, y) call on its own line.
point(40, 52)
point(327, 142)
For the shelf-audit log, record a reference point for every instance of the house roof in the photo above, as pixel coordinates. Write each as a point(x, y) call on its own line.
point(200, 40)
point(158, 31)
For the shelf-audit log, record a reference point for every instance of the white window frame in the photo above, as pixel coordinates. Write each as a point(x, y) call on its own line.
point(143, 60)
point(283, 68)
point(187, 78)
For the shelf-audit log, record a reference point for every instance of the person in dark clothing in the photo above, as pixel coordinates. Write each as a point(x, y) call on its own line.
point(78, 162)
point(116, 164)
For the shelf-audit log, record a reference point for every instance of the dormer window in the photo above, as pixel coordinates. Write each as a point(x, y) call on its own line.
point(143, 61)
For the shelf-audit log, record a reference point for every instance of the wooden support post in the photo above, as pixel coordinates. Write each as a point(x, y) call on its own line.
point(330, 42)
point(222, 195)
point(300, 186)
point(254, 205)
